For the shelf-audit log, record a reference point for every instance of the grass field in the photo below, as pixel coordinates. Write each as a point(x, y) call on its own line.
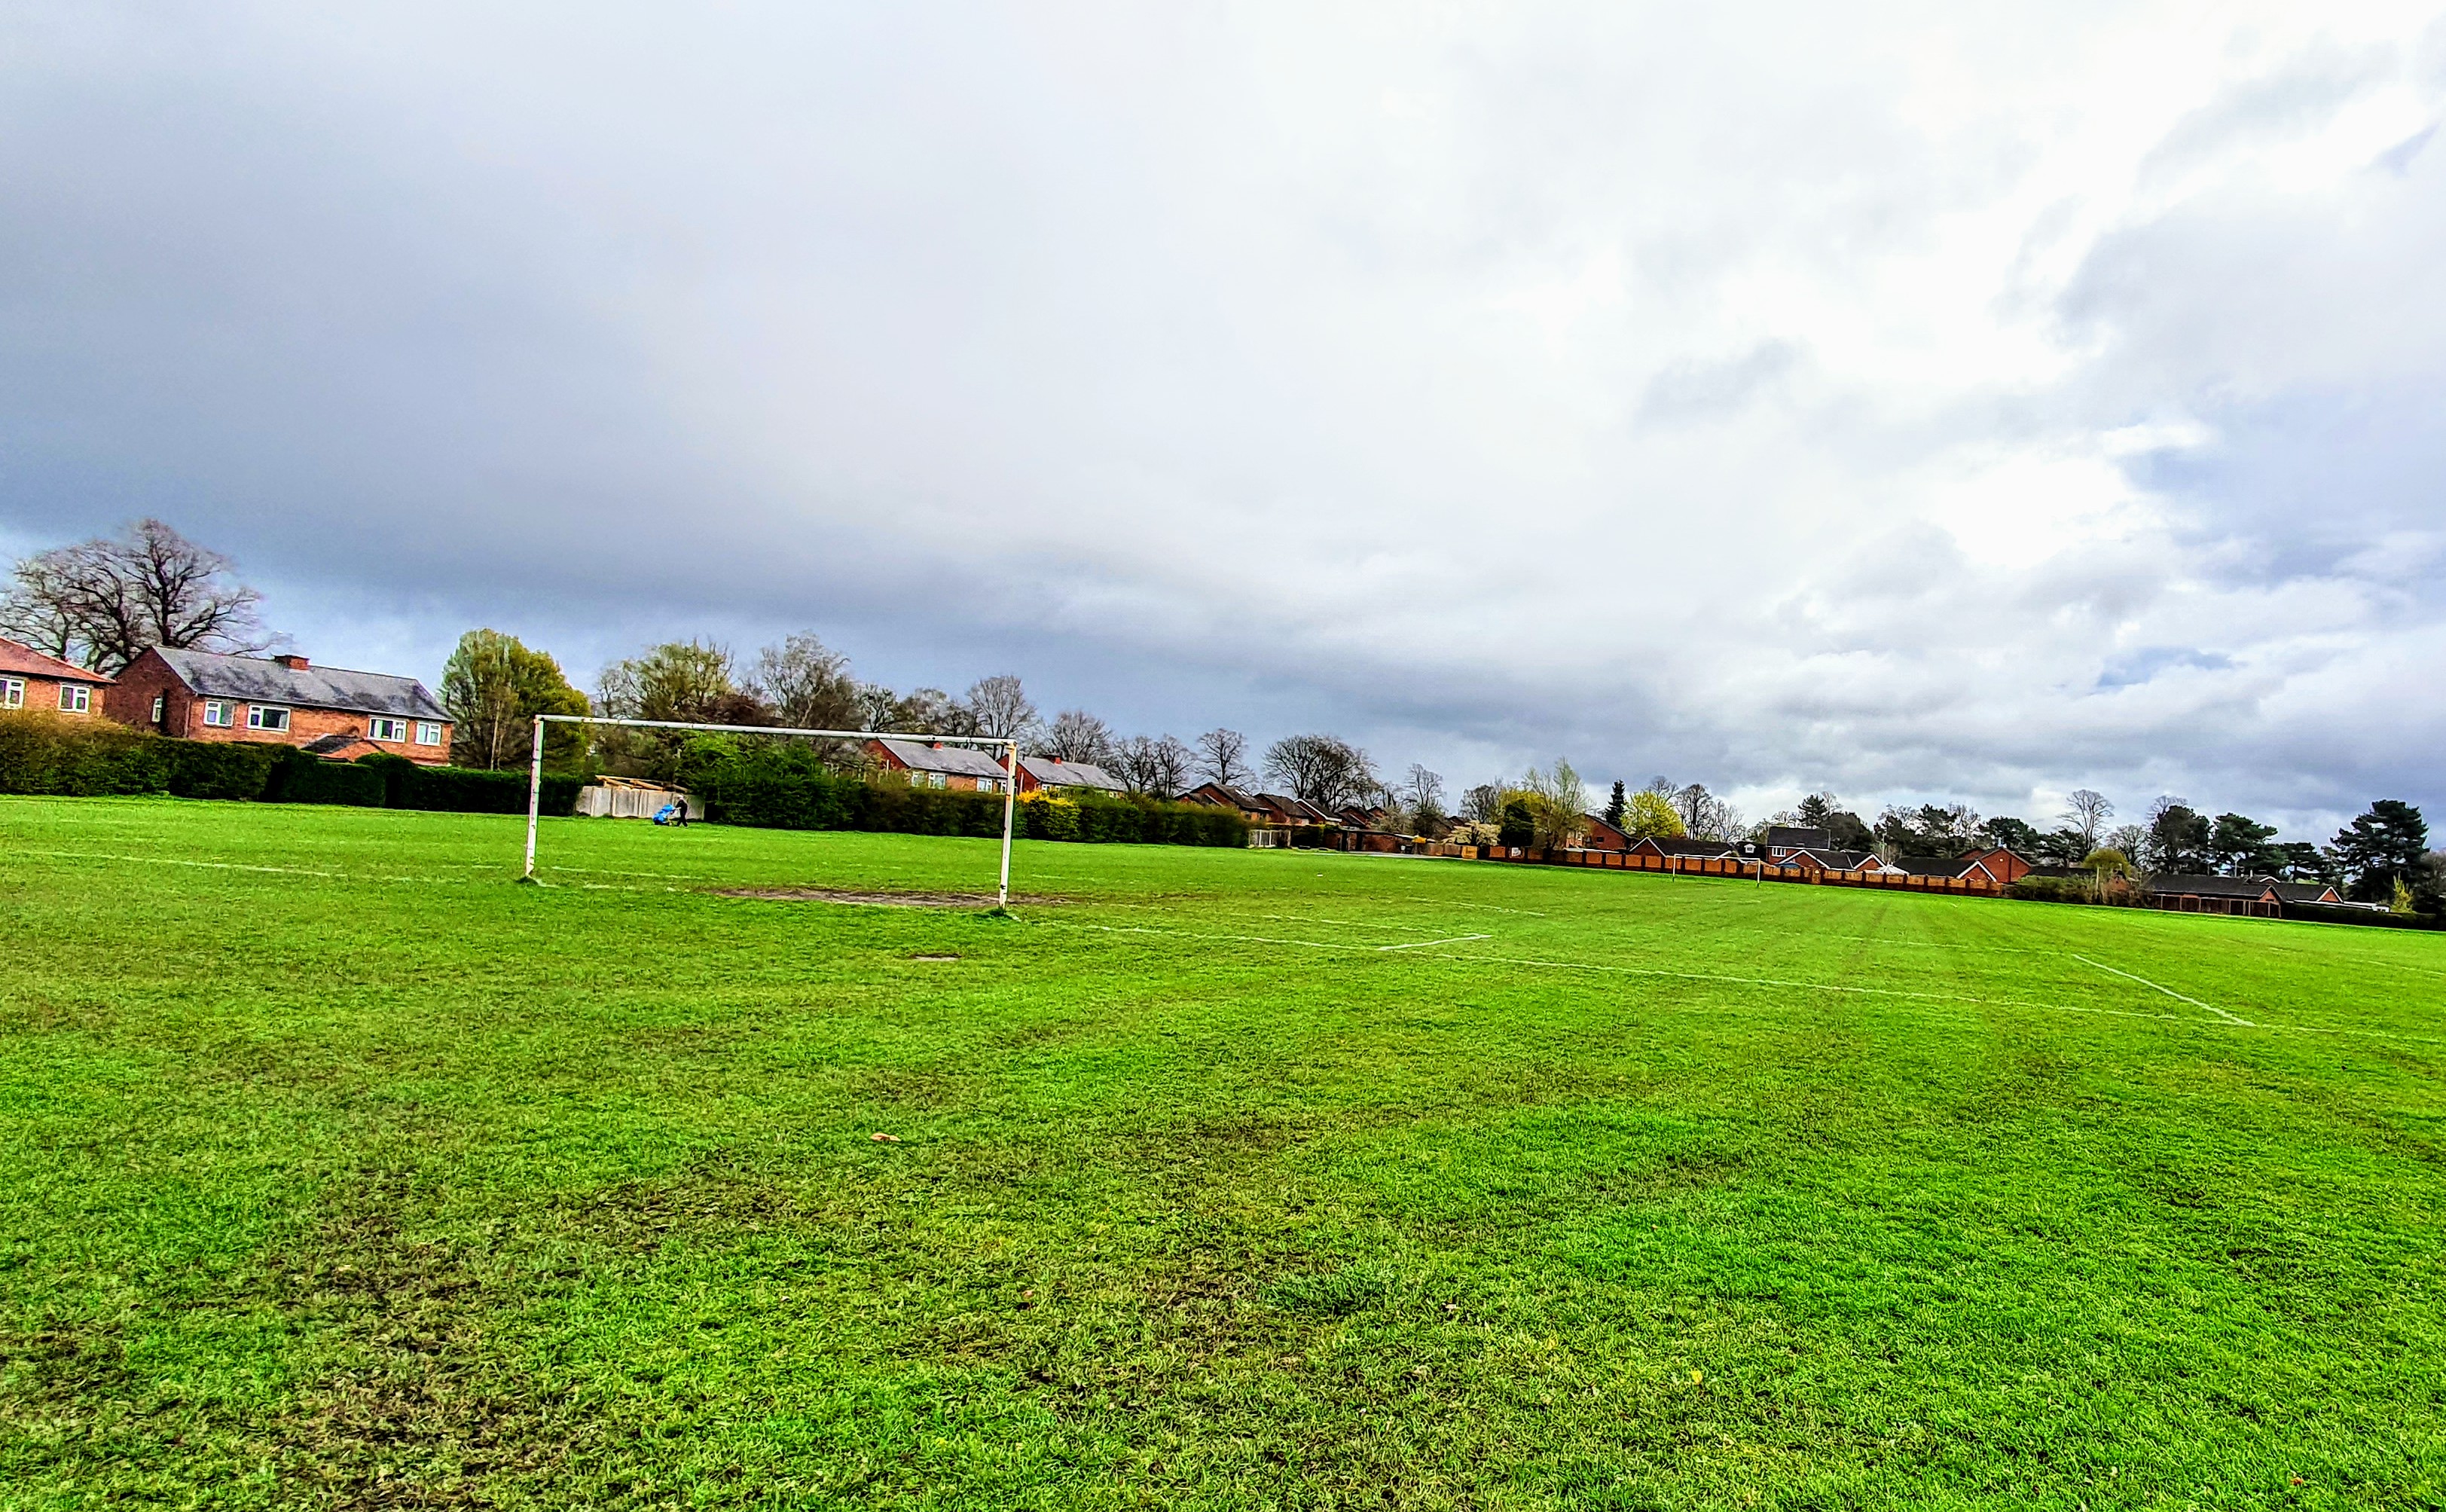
point(337, 1170)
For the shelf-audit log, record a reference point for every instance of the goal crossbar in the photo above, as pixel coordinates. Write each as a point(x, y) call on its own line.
point(1009, 746)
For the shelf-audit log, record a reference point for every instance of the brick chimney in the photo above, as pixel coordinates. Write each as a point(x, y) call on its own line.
point(292, 661)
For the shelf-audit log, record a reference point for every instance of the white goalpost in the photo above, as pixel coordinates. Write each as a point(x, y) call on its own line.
point(1009, 747)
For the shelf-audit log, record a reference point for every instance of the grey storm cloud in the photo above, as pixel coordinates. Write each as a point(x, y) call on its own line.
point(1914, 404)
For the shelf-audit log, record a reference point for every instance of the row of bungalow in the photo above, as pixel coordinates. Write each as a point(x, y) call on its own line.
point(283, 700)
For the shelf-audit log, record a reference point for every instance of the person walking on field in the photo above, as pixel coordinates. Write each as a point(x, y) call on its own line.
point(679, 811)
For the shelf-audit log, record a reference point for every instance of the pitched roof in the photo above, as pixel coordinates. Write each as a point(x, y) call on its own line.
point(1051, 773)
point(1685, 845)
point(1836, 861)
point(1208, 792)
point(951, 761)
point(1598, 826)
point(21, 660)
point(2304, 891)
point(1805, 836)
point(1932, 865)
point(262, 680)
point(333, 745)
point(2200, 884)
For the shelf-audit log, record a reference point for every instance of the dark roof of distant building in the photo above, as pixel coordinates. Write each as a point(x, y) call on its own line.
point(2201, 884)
point(950, 760)
point(336, 743)
point(1837, 861)
point(1932, 865)
point(1686, 845)
point(263, 680)
point(21, 660)
point(1800, 837)
point(1050, 773)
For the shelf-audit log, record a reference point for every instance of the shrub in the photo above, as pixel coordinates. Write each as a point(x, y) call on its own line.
point(1519, 824)
point(465, 790)
point(298, 778)
point(781, 788)
point(226, 770)
point(41, 752)
point(2054, 890)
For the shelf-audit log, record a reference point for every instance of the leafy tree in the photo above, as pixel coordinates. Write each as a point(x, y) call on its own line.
point(1519, 823)
point(1558, 802)
point(694, 681)
point(1931, 829)
point(2385, 845)
point(2241, 846)
point(101, 602)
point(2178, 839)
point(1816, 810)
point(1223, 757)
point(2107, 862)
point(1650, 815)
point(494, 687)
point(2015, 835)
point(1616, 806)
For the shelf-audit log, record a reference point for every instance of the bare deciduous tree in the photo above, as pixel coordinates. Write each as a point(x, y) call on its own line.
point(101, 602)
point(807, 684)
point(1077, 735)
point(1323, 769)
point(1222, 756)
point(1157, 766)
point(2085, 814)
point(999, 707)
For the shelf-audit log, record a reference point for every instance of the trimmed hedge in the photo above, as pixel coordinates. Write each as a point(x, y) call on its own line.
point(777, 795)
point(467, 790)
point(43, 753)
point(2368, 917)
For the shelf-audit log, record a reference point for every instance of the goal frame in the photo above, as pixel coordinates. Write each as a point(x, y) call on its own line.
point(1009, 746)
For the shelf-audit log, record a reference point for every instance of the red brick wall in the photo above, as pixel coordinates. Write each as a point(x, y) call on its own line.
point(42, 693)
point(182, 715)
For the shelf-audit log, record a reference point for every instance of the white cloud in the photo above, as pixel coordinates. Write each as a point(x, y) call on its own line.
point(1937, 402)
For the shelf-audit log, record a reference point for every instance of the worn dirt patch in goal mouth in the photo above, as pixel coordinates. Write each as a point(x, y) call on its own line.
point(837, 894)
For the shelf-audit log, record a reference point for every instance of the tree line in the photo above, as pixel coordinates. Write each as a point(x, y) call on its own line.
point(101, 603)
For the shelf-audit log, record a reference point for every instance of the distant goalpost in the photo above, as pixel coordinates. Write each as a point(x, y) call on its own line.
point(1009, 746)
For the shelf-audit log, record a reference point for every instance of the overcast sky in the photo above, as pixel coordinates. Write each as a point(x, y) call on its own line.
point(1946, 401)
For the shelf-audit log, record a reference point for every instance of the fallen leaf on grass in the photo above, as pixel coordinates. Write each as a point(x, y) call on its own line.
point(885, 1139)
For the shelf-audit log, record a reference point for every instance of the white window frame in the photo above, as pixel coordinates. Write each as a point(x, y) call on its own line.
point(12, 692)
point(160, 707)
point(220, 713)
point(256, 714)
point(428, 732)
point(76, 698)
point(387, 730)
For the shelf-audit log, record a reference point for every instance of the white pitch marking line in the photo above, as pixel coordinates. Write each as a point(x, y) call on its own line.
point(1416, 944)
point(1442, 902)
point(2168, 991)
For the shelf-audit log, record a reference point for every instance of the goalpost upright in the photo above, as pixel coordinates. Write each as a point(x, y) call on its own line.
point(1009, 746)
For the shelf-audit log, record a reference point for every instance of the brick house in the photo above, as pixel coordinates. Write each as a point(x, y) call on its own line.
point(29, 679)
point(280, 701)
point(1602, 836)
point(925, 764)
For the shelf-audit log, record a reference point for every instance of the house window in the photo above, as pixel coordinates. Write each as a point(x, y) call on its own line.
point(393, 730)
point(221, 712)
point(264, 716)
point(75, 698)
point(12, 692)
point(161, 706)
point(428, 732)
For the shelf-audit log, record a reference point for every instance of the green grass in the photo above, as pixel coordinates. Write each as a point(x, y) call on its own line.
point(337, 1170)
